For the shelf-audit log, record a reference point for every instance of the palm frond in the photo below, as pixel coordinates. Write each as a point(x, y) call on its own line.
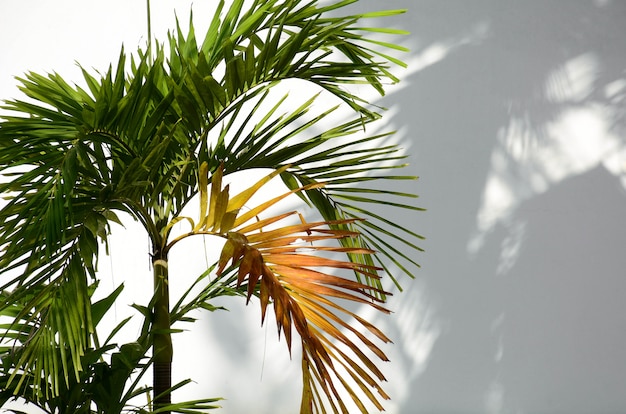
point(143, 138)
point(282, 264)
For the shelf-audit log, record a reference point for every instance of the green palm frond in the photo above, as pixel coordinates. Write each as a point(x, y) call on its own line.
point(143, 138)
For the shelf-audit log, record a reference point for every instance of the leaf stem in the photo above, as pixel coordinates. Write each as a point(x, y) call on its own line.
point(149, 29)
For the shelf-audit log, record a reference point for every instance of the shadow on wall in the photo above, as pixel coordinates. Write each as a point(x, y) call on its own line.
point(515, 120)
point(562, 333)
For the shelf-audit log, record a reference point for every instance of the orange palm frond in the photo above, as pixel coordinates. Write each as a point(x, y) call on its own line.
point(297, 268)
point(287, 267)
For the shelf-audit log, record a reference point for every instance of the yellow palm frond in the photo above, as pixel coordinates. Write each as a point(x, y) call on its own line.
point(299, 271)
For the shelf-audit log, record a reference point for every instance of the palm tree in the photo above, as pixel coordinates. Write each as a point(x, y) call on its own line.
point(163, 128)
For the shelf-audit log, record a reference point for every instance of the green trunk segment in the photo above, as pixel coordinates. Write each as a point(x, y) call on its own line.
point(162, 338)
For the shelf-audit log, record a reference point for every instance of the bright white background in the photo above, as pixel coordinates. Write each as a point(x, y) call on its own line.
point(514, 116)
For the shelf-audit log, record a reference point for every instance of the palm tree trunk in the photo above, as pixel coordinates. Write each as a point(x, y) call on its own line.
point(162, 340)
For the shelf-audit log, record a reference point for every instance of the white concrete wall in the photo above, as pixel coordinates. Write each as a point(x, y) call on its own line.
point(514, 115)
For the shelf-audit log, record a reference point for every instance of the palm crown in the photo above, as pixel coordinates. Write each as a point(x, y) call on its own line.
point(163, 127)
